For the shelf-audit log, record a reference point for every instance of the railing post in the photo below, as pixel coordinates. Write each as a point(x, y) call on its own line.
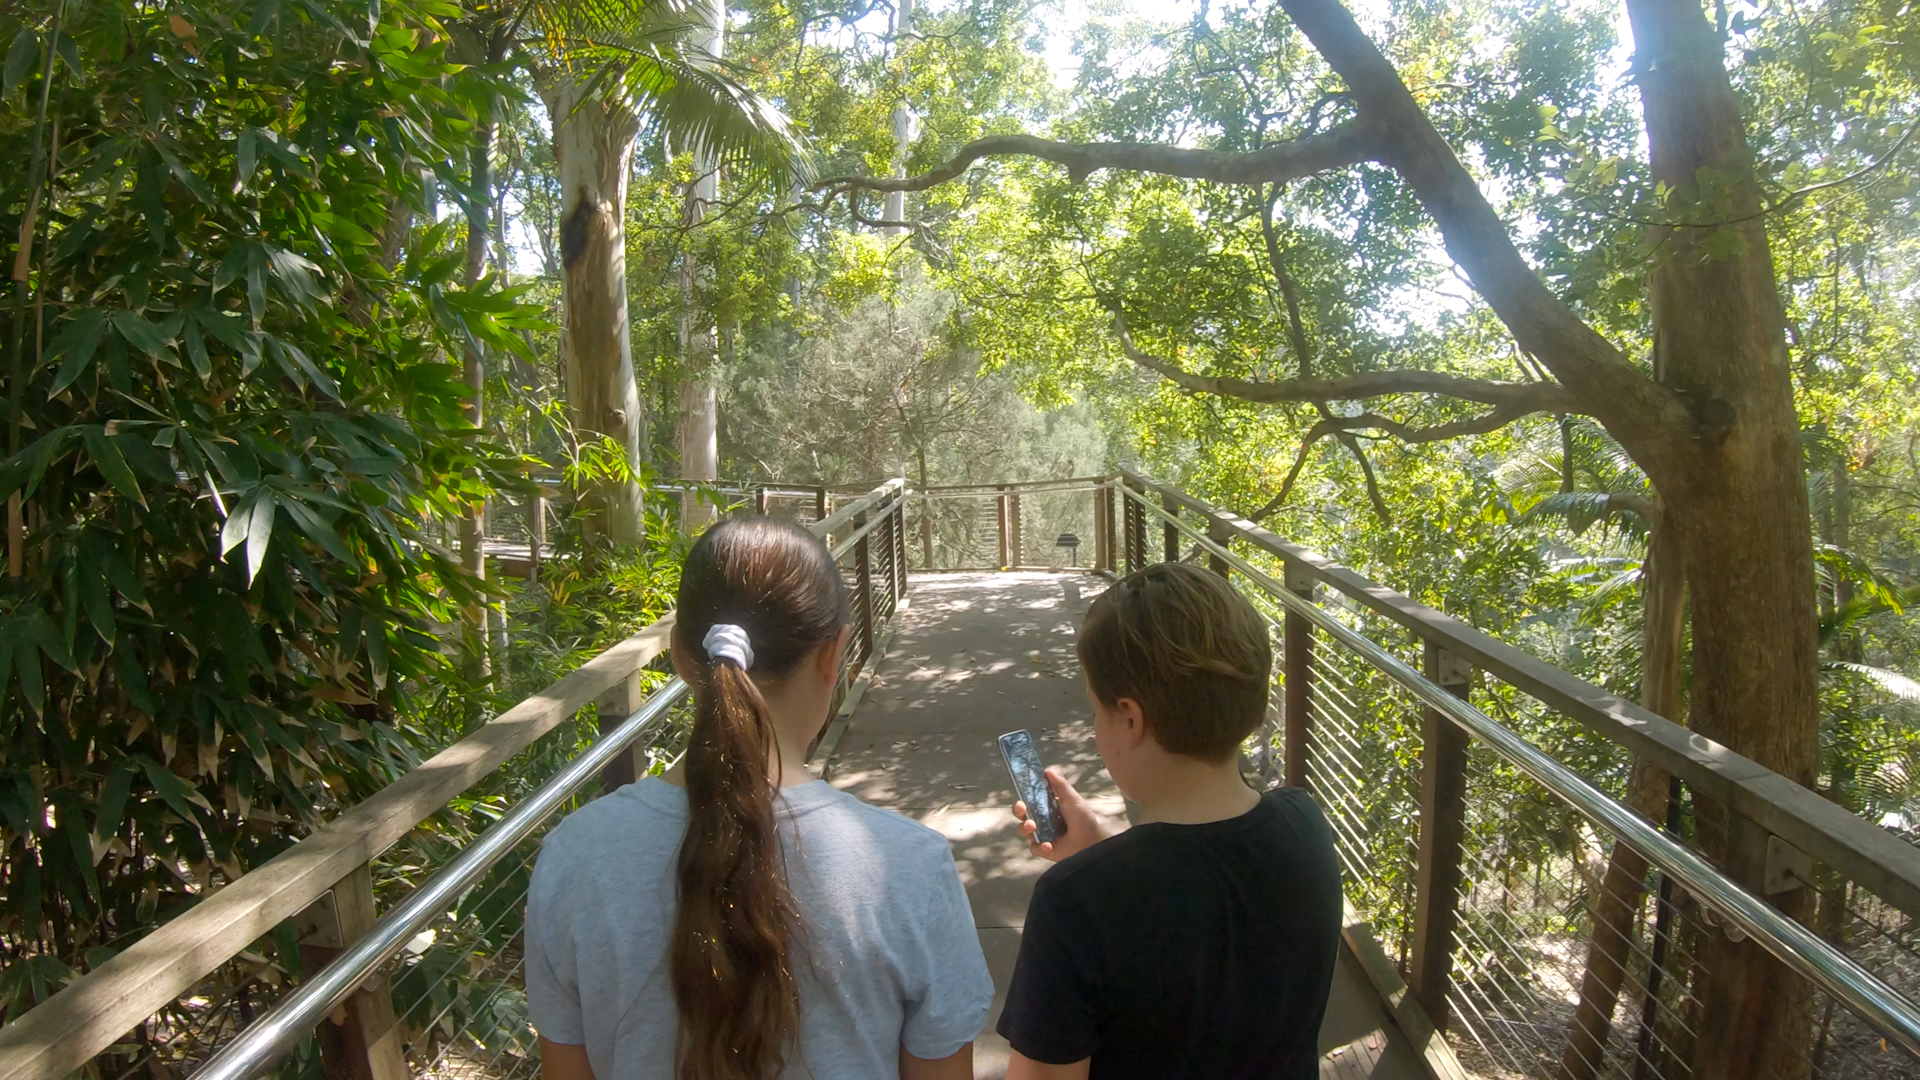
point(1001, 502)
point(926, 531)
point(1297, 659)
point(1137, 528)
point(1169, 533)
point(1099, 528)
point(621, 701)
point(537, 534)
point(364, 1040)
point(1016, 543)
point(1443, 815)
point(1220, 533)
point(819, 504)
point(900, 540)
point(760, 500)
point(863, 573)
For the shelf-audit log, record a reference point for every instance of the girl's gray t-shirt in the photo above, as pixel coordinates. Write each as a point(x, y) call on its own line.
point(888, 955)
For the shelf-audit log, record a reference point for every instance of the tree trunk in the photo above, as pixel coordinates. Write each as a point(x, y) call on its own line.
point(1616, 911)
point(896, 210)
point(1737, 486)
point(593, 141)
point(699, 397)
point(473, 525)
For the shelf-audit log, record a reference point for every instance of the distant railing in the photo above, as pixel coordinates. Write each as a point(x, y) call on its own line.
point(1034, 525)
point(1477, 850)
point(433, 986)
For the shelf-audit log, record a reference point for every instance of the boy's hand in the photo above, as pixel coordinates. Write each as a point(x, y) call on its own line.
point(1083, 829)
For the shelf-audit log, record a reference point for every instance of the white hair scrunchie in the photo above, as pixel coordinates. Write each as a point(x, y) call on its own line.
point(725, 641)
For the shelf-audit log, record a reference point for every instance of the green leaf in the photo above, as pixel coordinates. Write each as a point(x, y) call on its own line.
point(318, 531)
point(113, 800)
point(245, 157)
point(141, 334)
point(20, 57)
point(259, 532)
point(107, 458)
point(1724, 242)
point(76, 342)
point(179, 795)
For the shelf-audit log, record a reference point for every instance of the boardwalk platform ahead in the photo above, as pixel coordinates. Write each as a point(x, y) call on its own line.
point(979, 654)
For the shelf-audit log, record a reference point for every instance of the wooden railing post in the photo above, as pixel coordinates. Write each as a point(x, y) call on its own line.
point(1170, 533)
point(622, 700)
point(1297, 660)
point(863, 574)
point(364, 1040)
point(926, 532)
point(1016, 543)
point(537, 534)
point(760, 500)
point(1005, 524)
point(1220, 533)
point(1100, 496)
point(1136, 528)
point(819, 504)
point(897, 548)
point(1443, 815)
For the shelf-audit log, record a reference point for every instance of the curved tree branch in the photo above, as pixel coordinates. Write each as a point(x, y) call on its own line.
point(1519, 398)
point(1343, 145)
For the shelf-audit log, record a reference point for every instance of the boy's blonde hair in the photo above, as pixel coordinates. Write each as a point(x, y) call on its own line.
point(1189, 648)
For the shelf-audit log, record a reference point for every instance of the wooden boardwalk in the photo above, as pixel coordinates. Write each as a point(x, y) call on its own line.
point(979, 654)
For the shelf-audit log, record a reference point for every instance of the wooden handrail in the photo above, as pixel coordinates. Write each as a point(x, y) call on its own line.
point(85, 1017)
point(1874, 858)
point(92, 1012)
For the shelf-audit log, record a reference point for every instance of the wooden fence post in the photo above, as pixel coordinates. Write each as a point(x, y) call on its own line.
point(1220, 533)
point(537, 534)
point(620, 701)
point(1016, 543)
point(760, 500)
point(1001, 502)
point(1443, 815)
point(1297, 657)
point(863, 575)
point(819, 504)
point(366, 1042)
point(1099, 529)
point(1169, 532)
point(926, 531)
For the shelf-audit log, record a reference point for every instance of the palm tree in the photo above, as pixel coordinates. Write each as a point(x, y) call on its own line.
point(605, 69)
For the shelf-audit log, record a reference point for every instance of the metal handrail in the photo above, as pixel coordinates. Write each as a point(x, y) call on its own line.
point(1794, 945)
point(255, 1050)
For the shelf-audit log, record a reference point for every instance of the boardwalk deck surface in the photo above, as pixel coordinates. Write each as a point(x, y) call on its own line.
point(979, 654)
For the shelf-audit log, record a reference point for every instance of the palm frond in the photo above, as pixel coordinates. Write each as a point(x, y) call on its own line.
point(1900, 686)
point(1581, 510)
point(649, 50)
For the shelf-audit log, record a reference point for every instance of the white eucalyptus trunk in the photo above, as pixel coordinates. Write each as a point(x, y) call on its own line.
point(699, 394)
point(593, 141)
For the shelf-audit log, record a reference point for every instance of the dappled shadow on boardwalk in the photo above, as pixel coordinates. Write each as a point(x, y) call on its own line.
point(979, 654)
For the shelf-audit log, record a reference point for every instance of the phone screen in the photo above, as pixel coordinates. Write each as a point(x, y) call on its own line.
point(1030, 784)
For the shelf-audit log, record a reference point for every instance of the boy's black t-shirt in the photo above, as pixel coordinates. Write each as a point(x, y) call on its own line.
point(1184, 950)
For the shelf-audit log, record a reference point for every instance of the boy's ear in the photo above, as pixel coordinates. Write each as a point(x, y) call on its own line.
point(1135, 719)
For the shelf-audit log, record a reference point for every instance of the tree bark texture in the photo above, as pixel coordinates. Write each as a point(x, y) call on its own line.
point(1616, 911)
point(1739, 484)
point(699, 396)
point(593, 141)
point(473, 525)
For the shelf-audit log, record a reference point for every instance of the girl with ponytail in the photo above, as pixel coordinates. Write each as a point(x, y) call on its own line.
point(737, 919)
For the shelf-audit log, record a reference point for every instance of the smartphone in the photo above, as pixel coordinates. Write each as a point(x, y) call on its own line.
point(1030, 784)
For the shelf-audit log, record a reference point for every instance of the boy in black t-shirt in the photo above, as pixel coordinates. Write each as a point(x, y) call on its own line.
point(1200, 942)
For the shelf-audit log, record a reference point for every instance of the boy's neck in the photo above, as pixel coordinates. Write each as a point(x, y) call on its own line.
point(1181, 790)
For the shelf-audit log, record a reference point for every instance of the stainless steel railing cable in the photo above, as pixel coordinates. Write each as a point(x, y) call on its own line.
point(1794, 945)
point(255, 1049)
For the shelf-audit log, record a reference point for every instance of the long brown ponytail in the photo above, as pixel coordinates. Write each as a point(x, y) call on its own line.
point(731, 961)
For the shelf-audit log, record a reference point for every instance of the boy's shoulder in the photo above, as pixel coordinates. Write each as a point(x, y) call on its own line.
point(1144, 854)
